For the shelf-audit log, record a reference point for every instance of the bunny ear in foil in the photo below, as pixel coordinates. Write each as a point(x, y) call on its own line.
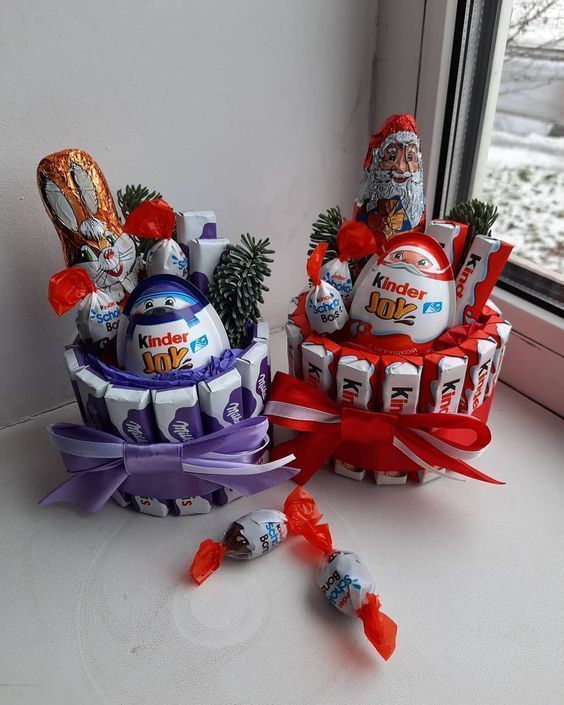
point(58, 205)
point(85, 187)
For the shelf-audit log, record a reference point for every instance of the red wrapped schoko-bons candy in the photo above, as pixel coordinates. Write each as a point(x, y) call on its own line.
point(341, 575)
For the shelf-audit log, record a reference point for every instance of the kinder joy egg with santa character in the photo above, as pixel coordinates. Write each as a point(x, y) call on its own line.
point(404, 298)
point(390, 198)
point(168, 324)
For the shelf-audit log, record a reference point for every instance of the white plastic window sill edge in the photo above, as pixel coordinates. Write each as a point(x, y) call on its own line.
point(534, 361)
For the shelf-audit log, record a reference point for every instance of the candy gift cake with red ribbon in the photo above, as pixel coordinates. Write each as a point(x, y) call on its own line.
point(394, 348)
point(171, 365)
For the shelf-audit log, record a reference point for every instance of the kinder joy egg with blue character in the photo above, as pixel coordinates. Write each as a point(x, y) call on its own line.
point(167, 324)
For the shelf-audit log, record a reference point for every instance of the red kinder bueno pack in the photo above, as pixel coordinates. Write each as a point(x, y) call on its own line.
point(499, 331)
point(452, 237)
point(442, 381)
point(476, 279)
point(404, 298)
point(320, 357)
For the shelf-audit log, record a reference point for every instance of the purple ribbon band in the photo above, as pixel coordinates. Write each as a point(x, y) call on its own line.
point(100, 463)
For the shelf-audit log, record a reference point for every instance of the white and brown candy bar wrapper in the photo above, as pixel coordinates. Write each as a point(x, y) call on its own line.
point(295, 337)
point(92, 387)
point(191, 505)
point(357, 380)
point(195, 225)
point(177, 414)
point(131, 413)
point(254, 367)
point(480, 349)
point(150, 505)
point(80, 204)
point(499, 331)
point(204, 256)
point(320, 357)
point(401, 379)
point(221, 401)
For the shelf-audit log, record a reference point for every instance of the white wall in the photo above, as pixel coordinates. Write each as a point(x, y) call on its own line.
point(258, 110)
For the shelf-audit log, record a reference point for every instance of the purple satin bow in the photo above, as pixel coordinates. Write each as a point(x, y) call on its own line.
point(101, 463)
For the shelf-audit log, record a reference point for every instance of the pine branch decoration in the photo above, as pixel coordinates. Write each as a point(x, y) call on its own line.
point(325, 229)
point(132, 196)
point(238, 285)
point(480, 215)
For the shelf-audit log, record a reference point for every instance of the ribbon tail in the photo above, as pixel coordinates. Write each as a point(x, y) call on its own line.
point(434, 457)
point(250, 484)
point(87, 490)
point(312, 450)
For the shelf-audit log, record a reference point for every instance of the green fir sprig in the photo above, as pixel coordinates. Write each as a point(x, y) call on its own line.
point(481, 216)
point(325, 229)
point(131, 197)
point(238, 285)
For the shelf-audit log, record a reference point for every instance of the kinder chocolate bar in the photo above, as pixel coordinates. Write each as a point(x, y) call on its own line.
point(79, 202)
point(325, 308)
point(254, 368)
point(294, 340)
point(442, 381)
point(319, 362)
point(354, 241)
point(131, 413)
point(452, 237)
point(390, 198)
point(341, 576)
point(400, 395)
point(74, 360)
point(177, 414)
point(404, 298)
point(356, 384)
point(150, 505)
point(155, 220)
point(97, 316)
point(478, 275)
point(191, 505)
point(480, 349)
point(204, 258)
point(92, 387)
point(221, 400)
point(195, 225)
point(500, 332)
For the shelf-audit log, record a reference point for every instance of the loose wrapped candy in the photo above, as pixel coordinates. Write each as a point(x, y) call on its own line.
point(155, 219)
point(80, 204)
point(404, 298)
point(354, 241)
point(97, 316)
point(325, 309)
point(390, 198)
point(341, 575)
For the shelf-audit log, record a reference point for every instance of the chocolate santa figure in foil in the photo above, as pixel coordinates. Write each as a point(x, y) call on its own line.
point(404, 297)
point(80, 204)
point(390, 198)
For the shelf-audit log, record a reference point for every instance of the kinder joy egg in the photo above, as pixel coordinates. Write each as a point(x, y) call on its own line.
point(404, 298)
point(168, 324)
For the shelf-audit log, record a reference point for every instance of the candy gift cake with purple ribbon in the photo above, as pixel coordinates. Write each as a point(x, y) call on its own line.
point(170, 366)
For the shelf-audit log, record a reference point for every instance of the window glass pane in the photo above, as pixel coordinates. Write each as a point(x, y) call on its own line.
point(525, 165)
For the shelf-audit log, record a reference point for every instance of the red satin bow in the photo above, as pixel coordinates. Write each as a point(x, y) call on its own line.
point(365, 438)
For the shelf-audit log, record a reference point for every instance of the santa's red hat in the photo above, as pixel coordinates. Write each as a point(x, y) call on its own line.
point(423, 245)
point(403, 127)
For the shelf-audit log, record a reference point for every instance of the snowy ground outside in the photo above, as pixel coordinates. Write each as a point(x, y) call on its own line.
point(525, 179)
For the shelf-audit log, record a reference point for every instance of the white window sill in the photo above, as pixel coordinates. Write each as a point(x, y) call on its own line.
point(97, 607)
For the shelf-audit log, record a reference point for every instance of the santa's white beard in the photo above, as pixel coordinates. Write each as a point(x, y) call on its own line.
point(410, 193)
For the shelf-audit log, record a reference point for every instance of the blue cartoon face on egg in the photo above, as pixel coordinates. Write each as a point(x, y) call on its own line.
point(168, 324)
